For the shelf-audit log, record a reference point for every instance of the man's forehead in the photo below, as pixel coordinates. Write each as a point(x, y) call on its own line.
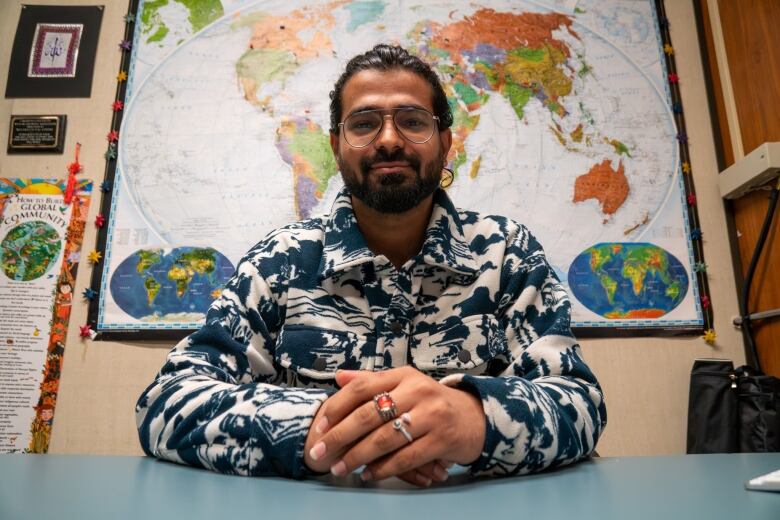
point(375, 89)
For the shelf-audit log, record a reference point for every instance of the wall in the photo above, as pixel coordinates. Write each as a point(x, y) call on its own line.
point(645, 379)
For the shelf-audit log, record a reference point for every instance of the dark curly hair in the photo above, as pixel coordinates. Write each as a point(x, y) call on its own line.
point(385, 57)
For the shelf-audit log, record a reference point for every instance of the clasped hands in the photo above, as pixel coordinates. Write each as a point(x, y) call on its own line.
point(447, 426)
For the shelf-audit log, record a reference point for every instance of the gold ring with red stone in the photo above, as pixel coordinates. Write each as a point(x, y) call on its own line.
point(385, 406)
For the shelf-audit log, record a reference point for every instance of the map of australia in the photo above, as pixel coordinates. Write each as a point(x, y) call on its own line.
point(561, 121)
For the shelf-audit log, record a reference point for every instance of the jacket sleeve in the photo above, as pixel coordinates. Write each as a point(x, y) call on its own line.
point(546, 409)
point(217, 402)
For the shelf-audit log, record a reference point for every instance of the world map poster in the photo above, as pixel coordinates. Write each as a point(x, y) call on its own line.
point(562, 121)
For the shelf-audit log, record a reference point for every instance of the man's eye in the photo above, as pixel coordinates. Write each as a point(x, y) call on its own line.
point(413, 123)
point(362, 124)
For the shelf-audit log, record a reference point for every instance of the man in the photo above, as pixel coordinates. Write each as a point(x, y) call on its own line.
point(398, 333)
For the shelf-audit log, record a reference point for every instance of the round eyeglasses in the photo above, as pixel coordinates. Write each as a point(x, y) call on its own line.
point(413, 124)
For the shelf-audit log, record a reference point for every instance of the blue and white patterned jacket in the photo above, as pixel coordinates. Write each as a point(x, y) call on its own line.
point(478, 307)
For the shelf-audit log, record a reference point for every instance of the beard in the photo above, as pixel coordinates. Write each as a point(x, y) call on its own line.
point(391, 192)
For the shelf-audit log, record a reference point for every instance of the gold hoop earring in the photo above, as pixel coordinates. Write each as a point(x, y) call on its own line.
point(446, 181)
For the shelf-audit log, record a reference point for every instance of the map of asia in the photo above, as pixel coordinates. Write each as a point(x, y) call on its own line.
point(562, 121)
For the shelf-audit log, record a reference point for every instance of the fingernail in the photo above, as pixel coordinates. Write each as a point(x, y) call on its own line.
point(339, 468)
point(366, 475)
point(423, 480)
point(440, 473)
point(322, 426)
point(318, 451)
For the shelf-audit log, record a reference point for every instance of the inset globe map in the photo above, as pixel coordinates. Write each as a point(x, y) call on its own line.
point(628, 281)
point(159, 285)
point(30, 250)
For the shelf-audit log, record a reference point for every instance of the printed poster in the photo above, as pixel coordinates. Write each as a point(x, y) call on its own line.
point(40, 244)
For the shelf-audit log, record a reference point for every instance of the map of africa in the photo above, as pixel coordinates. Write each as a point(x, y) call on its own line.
point(561, 121)
point(30, 250)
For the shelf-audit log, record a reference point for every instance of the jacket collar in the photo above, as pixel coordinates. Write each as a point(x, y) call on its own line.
point(444, 246)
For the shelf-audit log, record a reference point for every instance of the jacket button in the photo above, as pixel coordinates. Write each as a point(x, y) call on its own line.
point(396, 327)
point(464, 356)
point(320, 364)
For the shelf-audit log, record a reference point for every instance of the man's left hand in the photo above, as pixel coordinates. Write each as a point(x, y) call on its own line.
point(446, 424)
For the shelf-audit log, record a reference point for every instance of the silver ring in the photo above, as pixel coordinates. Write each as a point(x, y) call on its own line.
point(385, 406)
point(399, 425)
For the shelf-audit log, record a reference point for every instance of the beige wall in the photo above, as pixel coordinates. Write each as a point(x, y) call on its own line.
point(645, 380)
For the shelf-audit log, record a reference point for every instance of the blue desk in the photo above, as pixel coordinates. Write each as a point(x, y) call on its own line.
point(689, 487)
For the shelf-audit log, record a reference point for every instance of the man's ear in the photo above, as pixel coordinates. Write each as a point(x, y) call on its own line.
point(445, 137)
point(334, 144)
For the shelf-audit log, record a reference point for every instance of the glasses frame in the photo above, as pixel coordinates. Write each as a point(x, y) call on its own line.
point(392, 118)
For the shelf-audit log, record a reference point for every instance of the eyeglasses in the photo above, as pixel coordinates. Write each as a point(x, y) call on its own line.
point(414, 124)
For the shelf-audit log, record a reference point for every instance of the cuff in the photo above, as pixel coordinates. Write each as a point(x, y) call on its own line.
point(503, 427)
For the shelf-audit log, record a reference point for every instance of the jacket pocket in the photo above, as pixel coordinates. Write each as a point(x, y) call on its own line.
point(464, 345)
point(317, 353)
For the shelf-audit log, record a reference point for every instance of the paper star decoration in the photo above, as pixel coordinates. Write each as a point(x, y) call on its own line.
point(100, 220)
point(677, 108)
point(85, 331)
point(117, 106)
point(705, 301)
point(700, 267)
point(710, 336)
point(663, 23)
point(674, 78)
point(696, 234)
point(129, 18)
point(686, 166)
point(112, 136)
point(125, 45)
point(89, 294)
point(122, 76)
point(111, 152)
point(691, 199)
point(105, 187)
point(668, 49)
point(682, 137)
point(94, 256)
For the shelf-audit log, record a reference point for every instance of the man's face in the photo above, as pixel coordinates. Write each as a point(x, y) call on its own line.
point(392, 174)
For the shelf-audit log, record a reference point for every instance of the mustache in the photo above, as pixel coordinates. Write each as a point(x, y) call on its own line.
point(384, 156)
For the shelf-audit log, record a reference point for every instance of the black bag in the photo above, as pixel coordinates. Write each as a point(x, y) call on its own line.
point(732, 410)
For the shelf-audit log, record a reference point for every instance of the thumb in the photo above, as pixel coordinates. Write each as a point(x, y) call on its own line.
point(343, 377)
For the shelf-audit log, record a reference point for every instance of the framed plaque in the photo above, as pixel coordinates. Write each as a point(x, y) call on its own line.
point(53, 54)
point(36, 134)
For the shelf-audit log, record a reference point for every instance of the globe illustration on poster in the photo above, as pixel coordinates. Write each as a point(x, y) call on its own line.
point(30, 250)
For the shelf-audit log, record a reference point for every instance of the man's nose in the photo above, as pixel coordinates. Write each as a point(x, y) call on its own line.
point(389, 137)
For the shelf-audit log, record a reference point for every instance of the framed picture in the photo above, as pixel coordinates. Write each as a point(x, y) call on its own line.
point(54, 51)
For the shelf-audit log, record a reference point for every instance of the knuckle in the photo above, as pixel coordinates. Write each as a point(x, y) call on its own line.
point(365, 415)
point(406, 459)
point(383, 441)
point(359, 386)
point(334, 437)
